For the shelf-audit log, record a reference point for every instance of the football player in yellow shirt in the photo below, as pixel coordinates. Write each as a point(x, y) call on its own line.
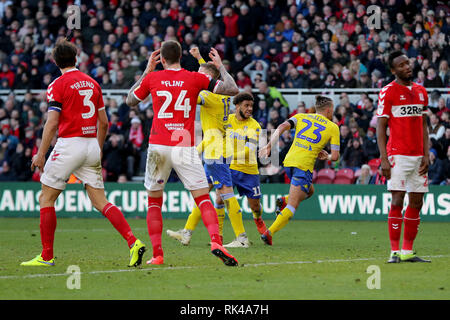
point(313, 131)
point(214, 114)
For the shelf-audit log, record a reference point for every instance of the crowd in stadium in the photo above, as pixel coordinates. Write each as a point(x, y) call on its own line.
point(265, 45)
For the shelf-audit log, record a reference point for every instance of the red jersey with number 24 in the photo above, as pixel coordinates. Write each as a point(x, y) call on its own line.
point(404, 107)
point(174, 94)
point(78, 98)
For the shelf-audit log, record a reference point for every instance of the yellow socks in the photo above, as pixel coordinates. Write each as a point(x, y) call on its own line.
point(220, 209)
point(234, 213)
point(193, 219)
point(282, 219)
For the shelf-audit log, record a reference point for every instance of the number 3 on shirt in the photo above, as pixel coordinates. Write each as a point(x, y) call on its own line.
point(316, 132)
point(181, 104)
point(87, 94)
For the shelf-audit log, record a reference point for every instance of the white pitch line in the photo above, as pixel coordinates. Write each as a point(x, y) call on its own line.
point(39, 275)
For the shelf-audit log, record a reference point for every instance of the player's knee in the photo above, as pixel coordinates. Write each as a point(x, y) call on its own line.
point(255, 207)
point(311, 192)
point(46, 200)
point(219, 200)
point(397, 199)
point(415, 203)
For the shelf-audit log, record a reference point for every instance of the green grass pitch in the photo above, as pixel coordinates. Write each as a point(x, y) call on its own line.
point(309, 260)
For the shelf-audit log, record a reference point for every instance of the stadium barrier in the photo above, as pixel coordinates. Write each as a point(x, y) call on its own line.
point(330, 202)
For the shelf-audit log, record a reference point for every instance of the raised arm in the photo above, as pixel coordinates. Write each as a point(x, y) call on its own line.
point(227, 86)
point(151, 65)
point(195, 52)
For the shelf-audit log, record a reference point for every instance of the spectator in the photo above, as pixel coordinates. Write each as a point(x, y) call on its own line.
point(436, 129)
point(274, 118)
point(345, 137)
point(294, 80)
point(262, 113)
point(436, 169)
point(444, 143)
point(257, 67)
point(271, 93)
point(354, 156)
point(370, 145)
point(321, 40)
point(432, 80)
point(347, 80)
point(365, 175)
point(378, 178)
point(283, 111)
point(209, 26)
point(6, 173)
point(301, 108)
point(274, 76)
point(444, 73)
point(113, 157)
point(231, 32)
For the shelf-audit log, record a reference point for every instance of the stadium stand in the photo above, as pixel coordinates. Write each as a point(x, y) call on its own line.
point(344, 176)
point(325, 176)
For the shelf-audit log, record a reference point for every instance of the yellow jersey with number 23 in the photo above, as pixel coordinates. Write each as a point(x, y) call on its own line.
point(312, 133)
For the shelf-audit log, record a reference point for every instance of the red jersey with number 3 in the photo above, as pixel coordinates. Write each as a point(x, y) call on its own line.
point(174, 94)
point(78, 98)
point(404, 107)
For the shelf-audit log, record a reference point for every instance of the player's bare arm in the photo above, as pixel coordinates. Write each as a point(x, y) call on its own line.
point(195, 52)
point(382, 125)
point(50, 127)
point(227, 86)
point(333, 156)
point(131, 100)
point(102, 127)
point(264, 152)
point(423, 169)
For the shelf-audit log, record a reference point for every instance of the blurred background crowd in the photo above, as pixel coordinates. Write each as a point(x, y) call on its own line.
point(266, 45)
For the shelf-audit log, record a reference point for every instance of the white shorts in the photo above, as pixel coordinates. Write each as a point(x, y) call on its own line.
point(77, 155)
point(405, 174)
point(184, 160)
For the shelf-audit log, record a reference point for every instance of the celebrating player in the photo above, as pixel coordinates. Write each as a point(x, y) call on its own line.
point(242, 138)
point(312, 132)
point(404, 157)
point(171, 144)
point(214, 112)
point(76, 110)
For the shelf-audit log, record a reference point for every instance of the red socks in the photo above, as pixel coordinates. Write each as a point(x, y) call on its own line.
point(209, 217)
point(411, 222)
point(155, 224)
point(395, 219)
point(47, 227)
point(115, 216)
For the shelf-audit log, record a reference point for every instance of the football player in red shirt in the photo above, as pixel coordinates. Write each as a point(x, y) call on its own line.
point(174, 92)
point(402, 108)
point(77, 112)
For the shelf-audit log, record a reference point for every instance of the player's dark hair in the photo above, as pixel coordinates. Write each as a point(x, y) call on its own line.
point(322, 102)
point(242, 96)
point(213, 71)
point(171, 51)
point(65, 54)
point(392, 56)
